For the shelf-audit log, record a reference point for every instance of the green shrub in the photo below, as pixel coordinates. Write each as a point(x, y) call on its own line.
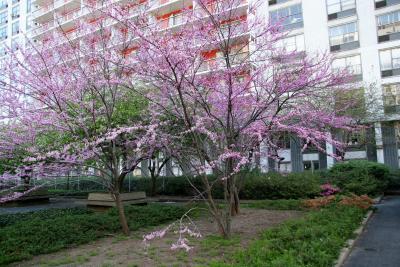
point(359, 177)
point(277, 186)
point(25, 235)
point(394, 179)
point(313, 241)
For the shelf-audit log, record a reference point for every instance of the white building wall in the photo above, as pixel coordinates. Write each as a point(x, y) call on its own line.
point(23, 18)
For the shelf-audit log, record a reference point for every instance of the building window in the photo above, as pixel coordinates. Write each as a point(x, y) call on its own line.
point(28, 6)
point(3, 51)
point(292, 43)
point(274, 2)
point(15, 1)
point(3, 18)
point(290, 17)
point(344, 37)
point(15, 28)
point(3, 33)
point(29, 23)
point(351, 64)
point(390, 62)
point(391, 97)
point(3, 4)
point(389, 26)
point(14, 44)
point(15, 12)
point(383, 3)
point(340, 8)
point(311, 165)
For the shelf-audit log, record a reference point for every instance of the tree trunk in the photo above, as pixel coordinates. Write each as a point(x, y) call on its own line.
point(153, 185)
point(121, 213)
point(235, 206)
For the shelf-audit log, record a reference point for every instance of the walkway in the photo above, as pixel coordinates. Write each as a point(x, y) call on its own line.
point(54, 203)
point(379, 244)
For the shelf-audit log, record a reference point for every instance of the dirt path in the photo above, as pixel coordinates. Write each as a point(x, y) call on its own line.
point(122, 251)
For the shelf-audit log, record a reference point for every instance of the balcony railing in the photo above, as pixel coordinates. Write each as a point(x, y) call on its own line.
point(171, 21)
point(219, 62)
point(43, 10)
point(217, 7)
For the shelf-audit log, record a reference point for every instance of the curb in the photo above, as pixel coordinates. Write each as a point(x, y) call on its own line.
point(345, 252)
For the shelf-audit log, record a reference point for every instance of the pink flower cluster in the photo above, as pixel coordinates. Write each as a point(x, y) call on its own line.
point(328, 189)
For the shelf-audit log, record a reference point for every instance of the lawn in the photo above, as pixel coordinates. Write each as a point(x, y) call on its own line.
point(25, 235)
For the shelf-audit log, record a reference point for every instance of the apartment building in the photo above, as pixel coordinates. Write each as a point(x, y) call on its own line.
point(362, 35)
point(15, 21)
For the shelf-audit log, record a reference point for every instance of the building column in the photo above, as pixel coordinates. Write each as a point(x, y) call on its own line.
point(323, 158)
point(271, 165)
point(144, 168)
point(390, 152)
point(371, 144)
point(379, 142)
point(296, 154)
point(168, 168)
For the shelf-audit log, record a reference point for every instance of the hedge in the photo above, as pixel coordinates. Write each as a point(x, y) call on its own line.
point(359, 177)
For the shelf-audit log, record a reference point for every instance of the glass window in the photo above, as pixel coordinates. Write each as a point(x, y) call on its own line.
point(342, 34)
point(390, 59)
point(3, 51)
point(3, 4)
point(14, 44)
point(15, 12)
point(293, 43)
point(15, 1)
point(3, 18)
point(290, 17)
point(274, 2)
point(28, 23)
point(391, 94)
point(15, 28)
point(352, 64)
point(336, 6)
point(388, 23)
point(383, 3)
point(3, 33)
point(28, 6)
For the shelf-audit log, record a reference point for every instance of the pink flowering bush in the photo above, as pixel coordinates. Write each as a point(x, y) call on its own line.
point(328, 189)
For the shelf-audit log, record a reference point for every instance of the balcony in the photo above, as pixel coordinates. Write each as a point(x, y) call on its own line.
point(217, 8)
point(43, 14)
point(66, 5)
point(389, 32)
point(172, 21)
point(220, 63)
point(41, 29)
point(161, 7)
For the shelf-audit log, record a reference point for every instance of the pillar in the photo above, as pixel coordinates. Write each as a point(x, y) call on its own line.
point(389, 140)
point(296, 154)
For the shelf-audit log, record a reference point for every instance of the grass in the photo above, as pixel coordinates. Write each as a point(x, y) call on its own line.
point(312, 241)
point(25, 235)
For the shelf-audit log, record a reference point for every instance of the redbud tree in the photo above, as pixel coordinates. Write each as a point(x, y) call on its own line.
point(222, 72)
point(64, 107)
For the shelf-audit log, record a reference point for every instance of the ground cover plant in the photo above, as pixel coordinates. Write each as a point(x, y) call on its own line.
point(315, 240)
point(25, 235)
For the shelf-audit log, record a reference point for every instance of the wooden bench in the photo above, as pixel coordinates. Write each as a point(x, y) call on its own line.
point(107, 200)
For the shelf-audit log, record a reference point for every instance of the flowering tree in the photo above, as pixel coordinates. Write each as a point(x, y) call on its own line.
point(224, 74)
point(64, 108)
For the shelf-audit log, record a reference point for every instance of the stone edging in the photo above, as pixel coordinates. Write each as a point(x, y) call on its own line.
point(345, 252)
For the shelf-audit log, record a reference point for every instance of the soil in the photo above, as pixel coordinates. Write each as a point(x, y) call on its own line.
point(131, 251)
